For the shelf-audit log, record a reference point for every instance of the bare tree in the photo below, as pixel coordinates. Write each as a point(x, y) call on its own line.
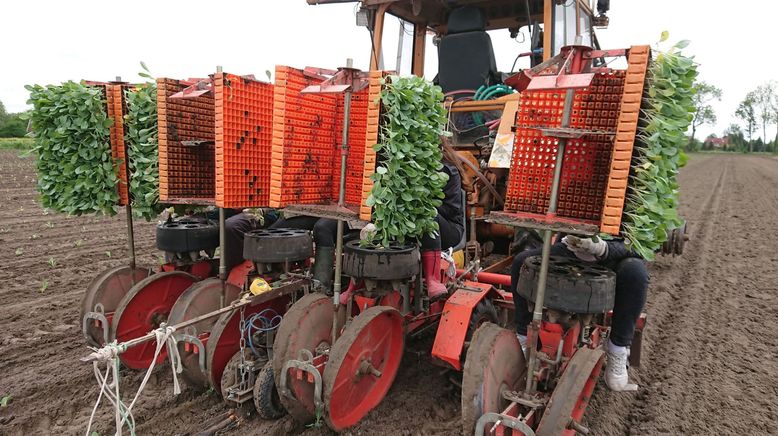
point(705, 93)
point(764, 104)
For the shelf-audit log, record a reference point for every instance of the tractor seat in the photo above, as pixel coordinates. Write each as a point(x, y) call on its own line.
point(465, 54)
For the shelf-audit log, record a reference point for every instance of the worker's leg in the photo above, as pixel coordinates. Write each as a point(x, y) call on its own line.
point(430, 255)
point(631, 290)
point(522, 315)
point(450, 233)
point(235, 228)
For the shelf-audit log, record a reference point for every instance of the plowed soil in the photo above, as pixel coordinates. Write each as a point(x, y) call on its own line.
point(710, 351)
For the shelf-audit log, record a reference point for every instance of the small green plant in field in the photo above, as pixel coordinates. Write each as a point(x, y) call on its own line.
point(52, 262)
point(44, 286)
point(78, 242)
point(5, 400)
point(35, 236)
point(651, 208)
point(408, 184)
point(108, 253)
point(49, 225)
point(19, 251)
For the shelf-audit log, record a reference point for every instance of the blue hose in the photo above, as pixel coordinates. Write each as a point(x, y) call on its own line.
point(268, 319)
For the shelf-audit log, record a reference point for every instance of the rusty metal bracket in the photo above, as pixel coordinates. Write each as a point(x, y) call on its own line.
point(335, 81)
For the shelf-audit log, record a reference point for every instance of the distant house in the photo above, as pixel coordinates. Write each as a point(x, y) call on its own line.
point(712, 142)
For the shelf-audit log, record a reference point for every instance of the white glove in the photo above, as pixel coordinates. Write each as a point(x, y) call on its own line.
point(368, 232)
point(585, 248)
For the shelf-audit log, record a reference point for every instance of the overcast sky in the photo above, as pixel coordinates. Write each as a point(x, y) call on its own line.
point(53, 41)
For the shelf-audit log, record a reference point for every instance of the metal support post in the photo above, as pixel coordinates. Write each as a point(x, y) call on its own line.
point(540, 295)
point(337, 285)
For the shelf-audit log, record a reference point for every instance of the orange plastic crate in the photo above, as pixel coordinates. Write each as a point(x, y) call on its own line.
point(594, 174)
point(307, 134)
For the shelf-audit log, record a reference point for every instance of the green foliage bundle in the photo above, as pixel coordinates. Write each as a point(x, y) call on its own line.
point(142, 150)
point(408, 183)
point(651, 209)
point(76, 174)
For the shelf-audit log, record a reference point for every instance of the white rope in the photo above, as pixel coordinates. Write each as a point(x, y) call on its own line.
point(110, 354)
point(448, 256)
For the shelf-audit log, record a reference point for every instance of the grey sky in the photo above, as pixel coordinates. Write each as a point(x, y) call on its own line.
point(52, 41)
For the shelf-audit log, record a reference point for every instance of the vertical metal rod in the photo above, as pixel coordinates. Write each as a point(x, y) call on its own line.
point(337, 285)
point(222, 257)
point(400, 46)
point(540, 294)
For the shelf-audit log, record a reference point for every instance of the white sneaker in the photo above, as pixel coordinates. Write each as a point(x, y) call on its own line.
point(616, 374)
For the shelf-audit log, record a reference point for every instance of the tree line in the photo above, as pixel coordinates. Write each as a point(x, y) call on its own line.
point(11, 125)
point(757, 111)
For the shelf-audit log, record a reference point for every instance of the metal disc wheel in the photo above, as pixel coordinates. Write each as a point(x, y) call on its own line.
point(277, 245)
point(143, 309)
point(266, 399)
point(571, 396)
point(107, 290)
point(306, 326)
point(224, 340)
point(392, 263)
point(494, 364)
point(362, 366)
point(199, 299)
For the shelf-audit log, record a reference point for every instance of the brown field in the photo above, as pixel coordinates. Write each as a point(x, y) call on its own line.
point(710, 357)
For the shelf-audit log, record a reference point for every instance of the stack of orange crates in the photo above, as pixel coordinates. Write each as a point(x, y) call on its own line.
point(595, 167)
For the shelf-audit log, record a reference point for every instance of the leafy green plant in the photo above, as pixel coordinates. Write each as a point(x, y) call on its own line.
point(5, 401)
point(44, 286)
point(72, 144)
point(408, 184)
point(651, 209)
point(142, 148)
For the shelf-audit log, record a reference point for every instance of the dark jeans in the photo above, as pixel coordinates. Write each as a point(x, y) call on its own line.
point(449, 235)
point(631, 289)
point(235, 227)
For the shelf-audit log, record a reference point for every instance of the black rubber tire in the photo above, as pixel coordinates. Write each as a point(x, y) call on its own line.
point(572, 286)
point(395, 263)
point(277, 245)
point(266, 399)
point(482, 313)
point(187, 234)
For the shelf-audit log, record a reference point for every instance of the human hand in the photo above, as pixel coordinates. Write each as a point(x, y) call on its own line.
point(586, 249)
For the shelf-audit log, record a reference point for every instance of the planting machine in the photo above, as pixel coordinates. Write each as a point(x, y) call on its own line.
point(551, 154)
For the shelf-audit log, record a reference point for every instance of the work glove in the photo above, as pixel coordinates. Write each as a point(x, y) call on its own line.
point(586, 249)
point(368, 232)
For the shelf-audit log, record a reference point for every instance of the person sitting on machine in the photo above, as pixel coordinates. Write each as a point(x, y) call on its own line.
point(631, 288)
point(450, 219)
point(324, 234)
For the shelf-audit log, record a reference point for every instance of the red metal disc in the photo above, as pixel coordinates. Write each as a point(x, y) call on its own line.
point(143, 309)
point(224, 340)
point(571, 395)
point(108, 289)
point(199, 299)
point(494, 363)
point(306, 326)
point(362, 366)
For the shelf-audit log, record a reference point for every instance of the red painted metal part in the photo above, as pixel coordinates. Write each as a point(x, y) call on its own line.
point(239, 274)
point(454, 322)
point(489, 278)
point(414, 322)
point(224, 340)
point(143, 309)
point(201, 269)
point(362, 366)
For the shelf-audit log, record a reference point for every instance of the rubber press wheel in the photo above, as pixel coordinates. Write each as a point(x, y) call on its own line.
point(571, 396)
point(200, 298)
point(494, 364)
point(362, 366)
point(108, 289)
point(306, 326)
point(266, 399)
point(143, 309)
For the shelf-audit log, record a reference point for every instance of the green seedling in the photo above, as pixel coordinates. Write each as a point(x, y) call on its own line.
point(651, 208)
point(44, 286)
point(408, 185)
point(5, 400)
point(19, 251)
point(108, 253)
point(52, 262)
